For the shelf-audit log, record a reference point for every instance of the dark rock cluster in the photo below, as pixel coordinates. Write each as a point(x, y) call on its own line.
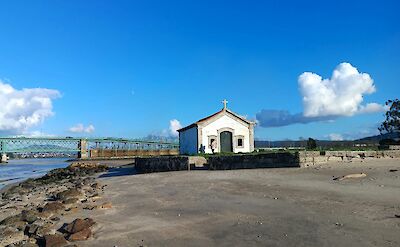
point(31, 210)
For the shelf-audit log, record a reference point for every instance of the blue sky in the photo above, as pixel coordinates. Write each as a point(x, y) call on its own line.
point(128, 68)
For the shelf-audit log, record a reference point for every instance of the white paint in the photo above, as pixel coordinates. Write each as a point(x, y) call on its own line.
point(196, 139)
point(225, 121)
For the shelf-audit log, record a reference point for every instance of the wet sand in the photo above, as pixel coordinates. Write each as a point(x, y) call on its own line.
point(262, 207)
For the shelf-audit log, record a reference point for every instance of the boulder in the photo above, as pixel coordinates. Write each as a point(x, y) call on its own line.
point(55, 240)
point(71, 201)
point(9, 235)
point(39, 228)
point(11, 219)
point(53, 207)
point(78, 225)
point(25, 243)
point(81, 235)
point(69, 194)
point(29, 216)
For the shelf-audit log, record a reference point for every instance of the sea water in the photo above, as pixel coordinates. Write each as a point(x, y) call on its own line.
point(21, 169)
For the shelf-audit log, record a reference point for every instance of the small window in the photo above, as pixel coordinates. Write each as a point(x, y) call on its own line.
point(240, 142)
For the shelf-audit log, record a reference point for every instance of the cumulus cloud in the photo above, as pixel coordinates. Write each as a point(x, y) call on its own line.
point(174, 125)
point(22, 109)
point(335, 137)
point(341, 95)
point(327, 99)
point(80, 128)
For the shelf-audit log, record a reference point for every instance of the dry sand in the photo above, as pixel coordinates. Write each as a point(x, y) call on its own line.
point(261, 207)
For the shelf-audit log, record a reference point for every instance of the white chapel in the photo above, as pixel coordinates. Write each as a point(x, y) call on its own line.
point(221, 132)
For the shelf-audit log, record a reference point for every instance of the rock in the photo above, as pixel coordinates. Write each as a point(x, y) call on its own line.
point(106, 205)
point(88, 166)
point(20, 225)
point(355, 175)
point(69, 194)
point(90, 207)
point(71, 201)
point(31, 242)
point(393, 170)
point(55, 219)
point(53, 207)
point(31, 229)
point(55, 240)
point(39, 228)
point(73, 210)
point(96, 186)
point(78, 225)
point(95, 197)
point(81, 235)
point(9, 235)
point(11, 219)
point(29, 216)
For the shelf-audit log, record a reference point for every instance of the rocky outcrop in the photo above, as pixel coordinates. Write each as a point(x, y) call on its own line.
point(55, 240)
point(79, 229)
point(36, 207)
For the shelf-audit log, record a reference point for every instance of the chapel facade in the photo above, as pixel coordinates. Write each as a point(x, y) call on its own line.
point(221, 132)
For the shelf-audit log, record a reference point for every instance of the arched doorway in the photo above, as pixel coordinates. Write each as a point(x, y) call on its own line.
point(226, 142)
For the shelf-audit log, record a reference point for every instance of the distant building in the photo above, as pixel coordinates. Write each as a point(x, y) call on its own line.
point(223, 131)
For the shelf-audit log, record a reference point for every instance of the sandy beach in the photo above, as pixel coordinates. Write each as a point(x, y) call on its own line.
point(255, 207)
point(262, 207)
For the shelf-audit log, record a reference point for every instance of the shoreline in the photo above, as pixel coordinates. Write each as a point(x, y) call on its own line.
point(257, 207)
point(31, 210)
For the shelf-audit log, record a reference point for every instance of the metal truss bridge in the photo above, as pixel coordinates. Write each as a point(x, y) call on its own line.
point(82, 146)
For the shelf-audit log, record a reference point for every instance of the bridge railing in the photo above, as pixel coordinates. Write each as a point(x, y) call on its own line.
point(82, 146)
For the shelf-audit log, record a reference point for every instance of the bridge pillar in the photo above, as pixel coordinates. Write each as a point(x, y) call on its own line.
point(82, 146)
point(3, 158)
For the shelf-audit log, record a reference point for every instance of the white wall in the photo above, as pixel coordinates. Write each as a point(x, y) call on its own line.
point(188, 141)
point(226, 122)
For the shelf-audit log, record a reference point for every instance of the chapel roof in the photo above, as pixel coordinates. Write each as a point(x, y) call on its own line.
point(226, 110)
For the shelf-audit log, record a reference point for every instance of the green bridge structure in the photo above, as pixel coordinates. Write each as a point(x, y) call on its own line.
point(85, 147)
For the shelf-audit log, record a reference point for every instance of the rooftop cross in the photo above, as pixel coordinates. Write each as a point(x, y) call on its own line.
point(225, 103)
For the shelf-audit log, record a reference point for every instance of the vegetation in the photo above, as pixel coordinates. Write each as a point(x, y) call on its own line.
point(392, 121)
point(311, 144)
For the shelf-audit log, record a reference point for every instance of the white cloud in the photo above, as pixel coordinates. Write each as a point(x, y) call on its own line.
point(174, 125)
point(34, 133)
point(22, 109)
point(335, 137)
point(341, 95)
point(325, 100)
point(80, 128)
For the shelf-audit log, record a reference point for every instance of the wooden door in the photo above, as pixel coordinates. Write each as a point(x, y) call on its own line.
point(226, 142)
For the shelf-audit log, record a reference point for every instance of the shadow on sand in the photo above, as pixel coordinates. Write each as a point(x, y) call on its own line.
point(119, 171)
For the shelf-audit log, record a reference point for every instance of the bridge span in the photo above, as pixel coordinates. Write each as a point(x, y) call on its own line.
point(86, 147)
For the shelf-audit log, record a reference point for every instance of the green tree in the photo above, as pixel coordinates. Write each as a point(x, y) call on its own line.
point(311, 144)
point(392, 121)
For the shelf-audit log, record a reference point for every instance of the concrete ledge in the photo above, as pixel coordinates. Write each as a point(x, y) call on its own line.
point(253, 161)
point(161, 164)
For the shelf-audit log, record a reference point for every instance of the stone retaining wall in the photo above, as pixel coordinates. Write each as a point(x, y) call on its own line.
point(309, 158)
point(161, 164)
point(251, 161)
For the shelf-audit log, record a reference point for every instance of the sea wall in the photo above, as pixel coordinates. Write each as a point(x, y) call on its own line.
point(310, 158)
point(161, 164)
point(251, 161)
